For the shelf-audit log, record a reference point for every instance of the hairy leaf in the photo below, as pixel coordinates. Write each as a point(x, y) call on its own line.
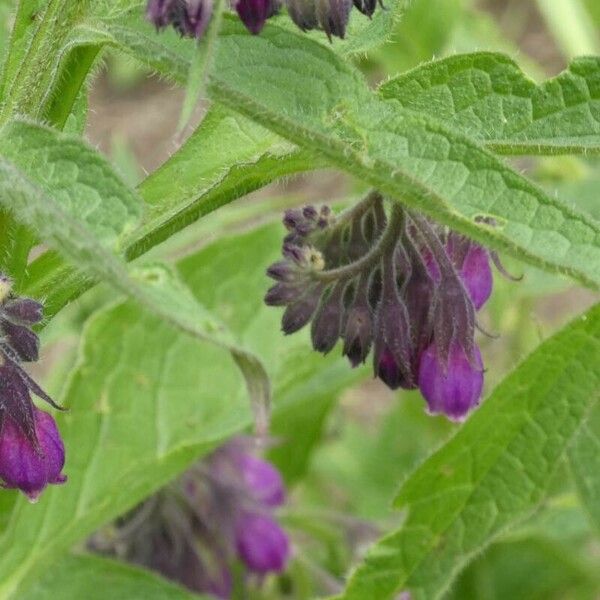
point(584, 456)
point(487, 96)
point(94, 578)
point(493, 473)
point(146, 400)
point(305, 93)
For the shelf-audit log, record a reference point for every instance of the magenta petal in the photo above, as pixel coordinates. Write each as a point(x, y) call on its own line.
point(263, 480)
point(261, 543)
point(27, 468)
point(476, 274)
point(454, 390)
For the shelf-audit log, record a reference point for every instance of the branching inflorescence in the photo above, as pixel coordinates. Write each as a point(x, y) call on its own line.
point(220, 511)
point(396, 284)
point(191, 17)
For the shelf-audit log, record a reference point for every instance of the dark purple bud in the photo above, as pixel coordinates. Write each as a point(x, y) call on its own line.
point(393, 346)
point(366, 7)
point(452, 387)
point(283, 293)
point(194, 18)
point(300, 312)
point(333, 16)
point(282, 271)
point(262, 479)
point(261, 543)
point(327, 323)
point(476, 274)
point(358, 333)
point(23, 310)
point(472, 263)
point(292, 218)
point(160, 12)
point(310, 212)
point(254, 13)
point(24, 342)
point(303, 13)
point(26, 467)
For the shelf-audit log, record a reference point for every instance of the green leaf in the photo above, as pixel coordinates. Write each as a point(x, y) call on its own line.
point(146, 400)
point(492, 473)
point(51, 210)
point(306, 94)
point(79, 178)
point(94, 578)
point(487, 96)
point(584, 456)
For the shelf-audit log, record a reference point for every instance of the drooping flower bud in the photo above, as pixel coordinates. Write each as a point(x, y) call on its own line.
point(327, 322)
point(333, 16)
point(24, 342)
point(161, 12)
point(358, 333)
point(23, 310)
point(254, 13)
point(451, 386)
point(366, 7)
point(27, 465)
point(303, 13)
point(193, 17)
point(263, 480)
point(472, 263)
point(261, 543)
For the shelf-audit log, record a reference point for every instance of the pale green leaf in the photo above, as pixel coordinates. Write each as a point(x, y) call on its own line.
point(487, 96)
point(492, 474)
point(584, 456)
point(76, 577)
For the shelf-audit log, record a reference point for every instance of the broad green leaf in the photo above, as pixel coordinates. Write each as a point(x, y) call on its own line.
point(79, 178)
point(584, 457)
point(146, 400)
point(492, 474)
point(305, 93)
point(58, 221)
point(85, 576)
point(487, 96)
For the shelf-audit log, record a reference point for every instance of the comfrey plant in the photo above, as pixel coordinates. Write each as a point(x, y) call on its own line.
point(32, 453)
point(173, 366)
point(401, 286)
point(221, 511)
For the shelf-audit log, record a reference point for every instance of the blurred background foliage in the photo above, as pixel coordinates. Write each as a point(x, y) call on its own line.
point(364, 441)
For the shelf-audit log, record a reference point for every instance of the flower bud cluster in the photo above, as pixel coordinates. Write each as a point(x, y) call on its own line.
point(220, 511)
point(191, 17)
point(32, 453)
point(399, 287)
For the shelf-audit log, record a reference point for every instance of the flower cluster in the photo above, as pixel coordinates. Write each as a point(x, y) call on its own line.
point(32, 453)
point(220, 511)
point(400, 286)
point(191, 17)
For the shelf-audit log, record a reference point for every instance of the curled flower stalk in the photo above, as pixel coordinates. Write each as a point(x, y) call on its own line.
point(394, 284)
point(32, 453)
point(222, 511)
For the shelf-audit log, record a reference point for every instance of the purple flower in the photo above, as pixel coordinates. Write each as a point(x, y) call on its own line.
point(451, 387)
point(31, 465)
point(261, 543)
point(262, 479)
point(23, 310)
point(254, 13)
point(333, 16)
point(476, 274)
point(193, 18)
